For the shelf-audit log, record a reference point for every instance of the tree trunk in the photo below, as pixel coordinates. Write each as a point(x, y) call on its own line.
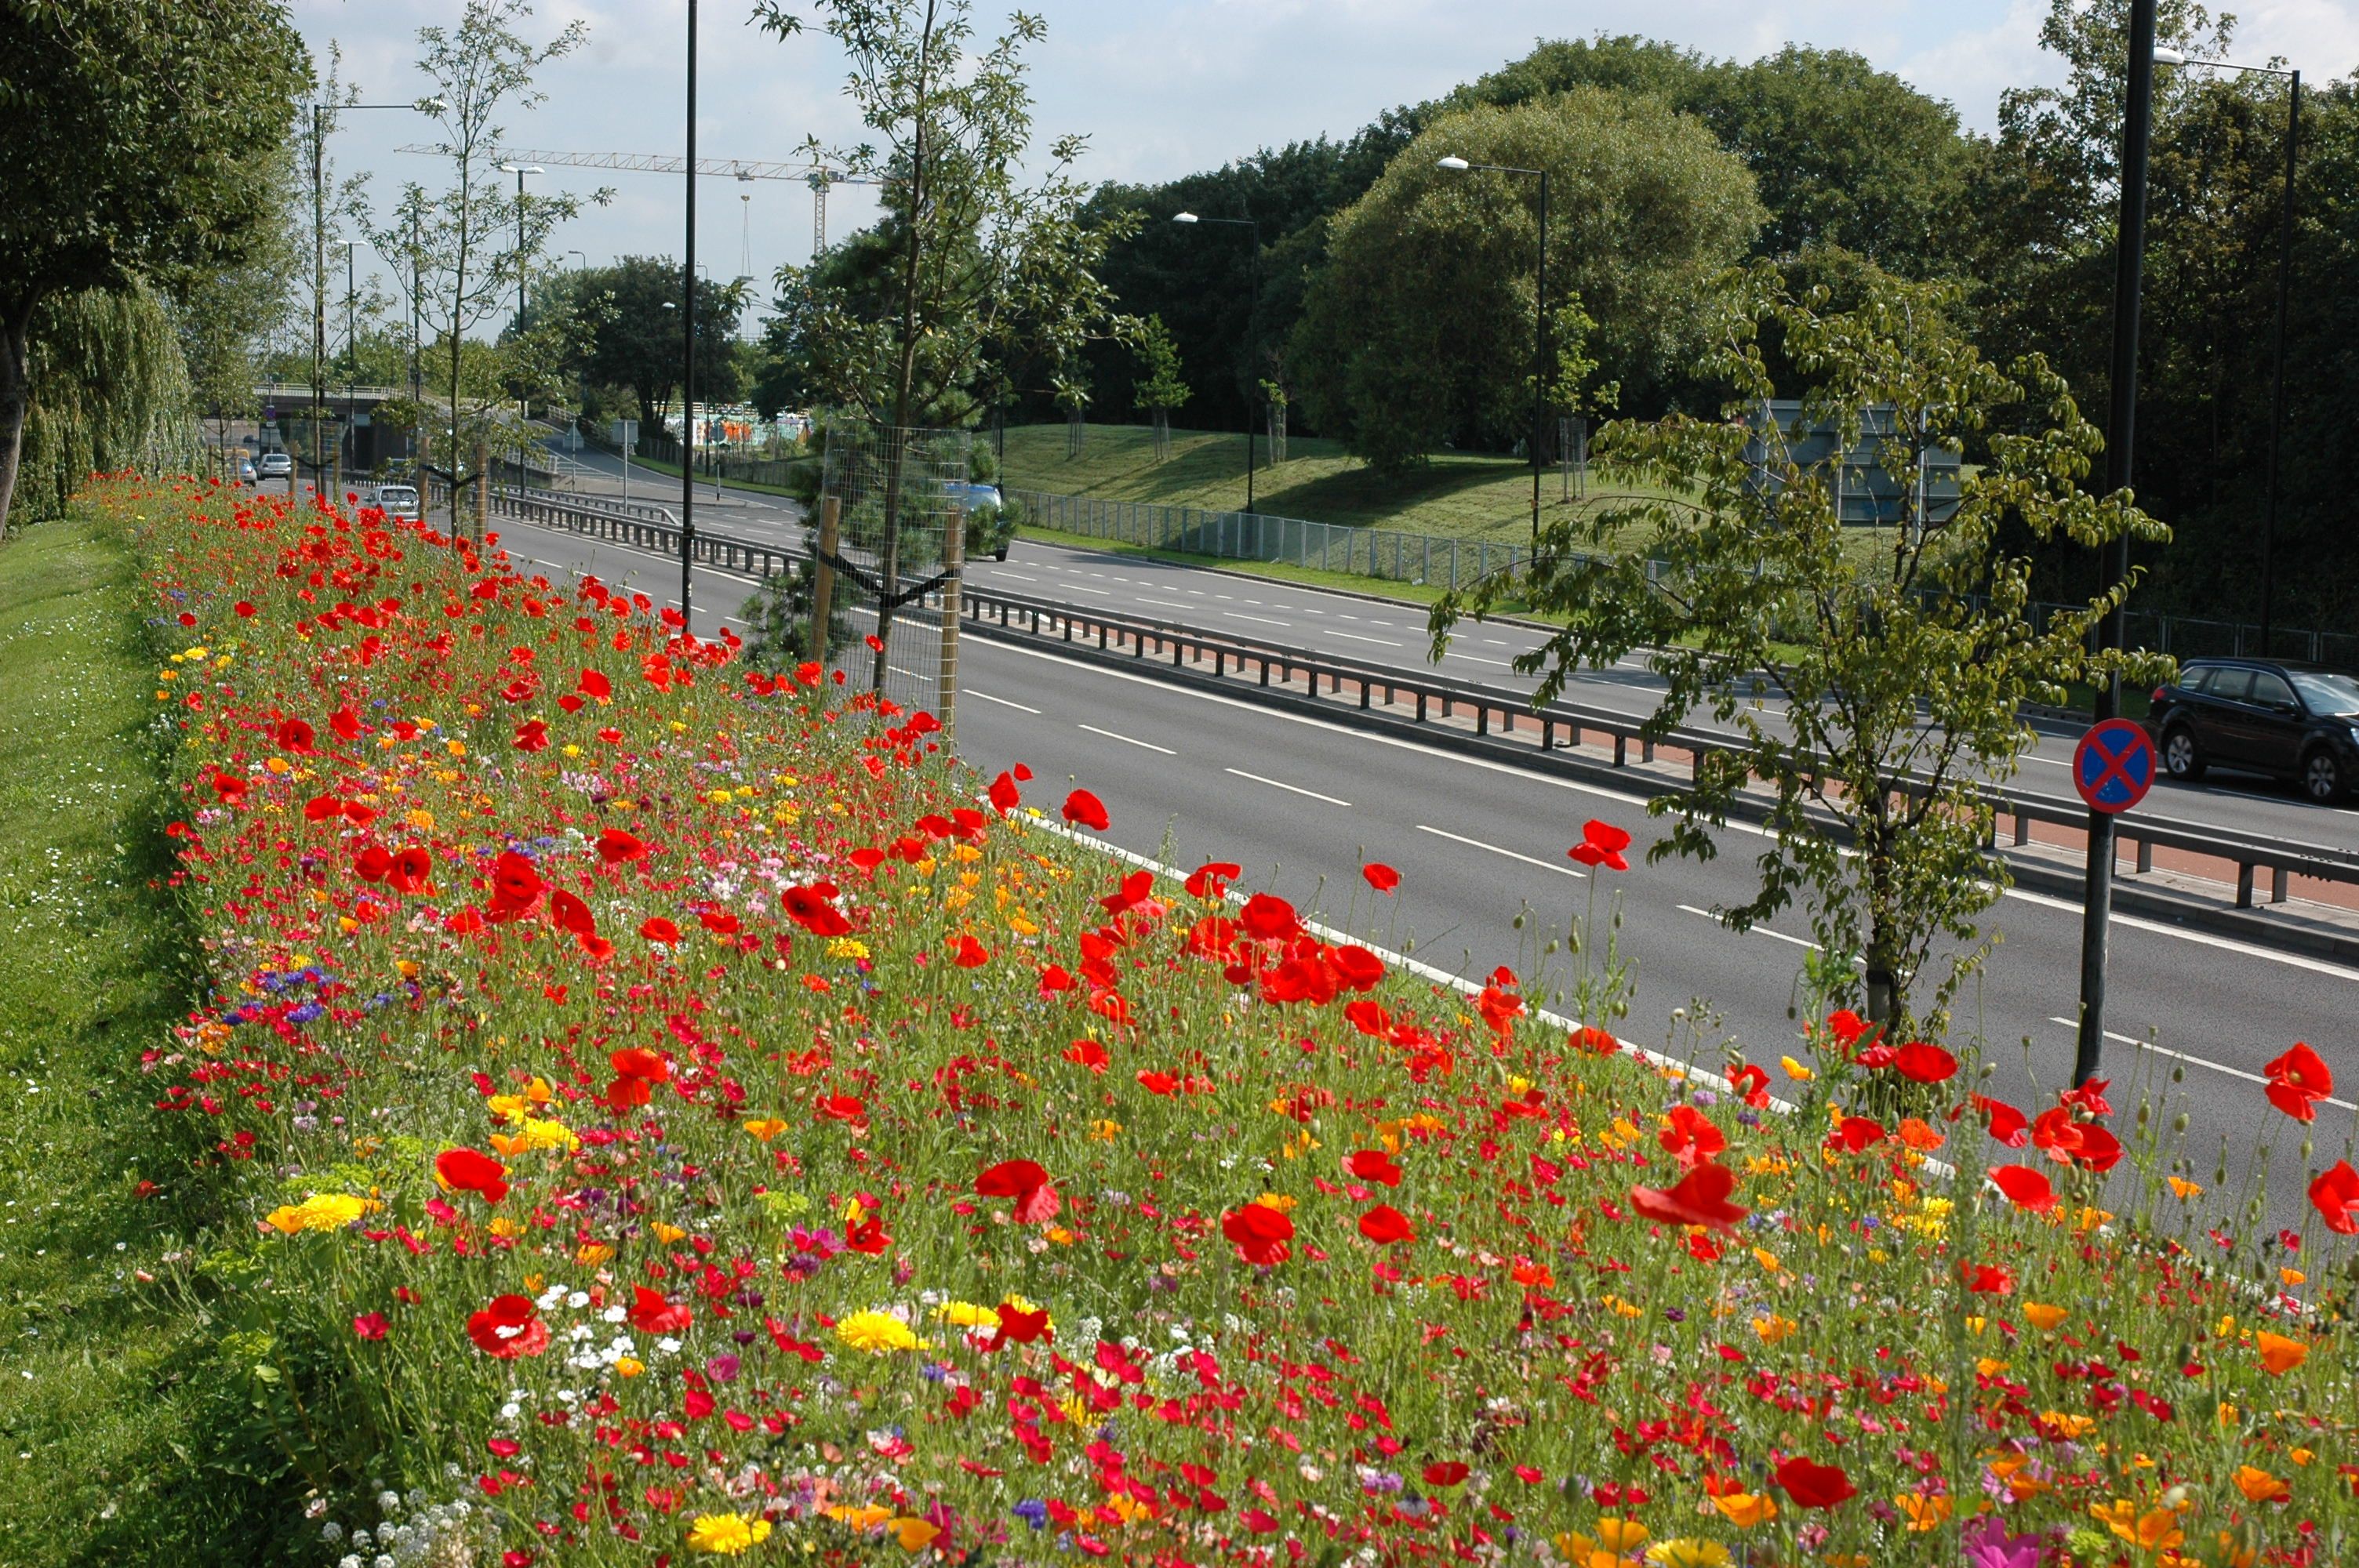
point(888, 571)
point(16, 401)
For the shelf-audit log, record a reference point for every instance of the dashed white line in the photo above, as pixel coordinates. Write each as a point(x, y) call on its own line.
point(1128, 741)
point(1527, 860)
point(1479, 659)
point(1355, 637)
point(2192, 1061)
point(1757, 930)
point(1165, 603)
point(1001, 700)
point(1240, 615)
point(1291, 789)
point(1019, 576)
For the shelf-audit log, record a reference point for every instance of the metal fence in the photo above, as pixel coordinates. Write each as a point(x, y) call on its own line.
point(1393, 557)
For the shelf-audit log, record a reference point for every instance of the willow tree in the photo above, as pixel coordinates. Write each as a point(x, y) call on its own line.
point(114, 393)
point(1873, 683)
point(977, 265)
point(132, 126)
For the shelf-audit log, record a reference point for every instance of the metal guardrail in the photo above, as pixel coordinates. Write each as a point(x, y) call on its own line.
point(1502, 717)
point(1431, 701)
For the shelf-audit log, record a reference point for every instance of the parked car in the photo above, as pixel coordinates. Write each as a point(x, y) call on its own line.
point(275, 465)
point(2294, 721)
point(398, 501)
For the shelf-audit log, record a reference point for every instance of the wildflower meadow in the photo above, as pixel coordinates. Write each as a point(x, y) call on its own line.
point(666, 1111)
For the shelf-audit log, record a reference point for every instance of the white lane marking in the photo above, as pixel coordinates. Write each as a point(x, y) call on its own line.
point(1478, 658)
point(1019, 576)
point(1765, 931)
point(2192, 1061)
point(1085, 588)
point(1240, 615)
point(2154, 927)
point(1355, 637)
point(1127, 741)
point(1527, 860)
point(1165, 603)
point(1293, 789)
point(1001, 700)
point(895, 668)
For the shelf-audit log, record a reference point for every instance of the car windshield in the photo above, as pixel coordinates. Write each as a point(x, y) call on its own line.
point(2322, 693)
point(397, 495)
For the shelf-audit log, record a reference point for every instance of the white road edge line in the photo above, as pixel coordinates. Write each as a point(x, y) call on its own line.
point(1127, 741)
point(2154, 927)
point(1477, 843)
point(2193, 1061)
point(1291, 789)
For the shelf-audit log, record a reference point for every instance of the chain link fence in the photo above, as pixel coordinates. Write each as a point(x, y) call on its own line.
point(893, 497)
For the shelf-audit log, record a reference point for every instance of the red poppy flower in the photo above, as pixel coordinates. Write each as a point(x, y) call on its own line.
point(615, 846)
point(2069, 1143)
point(323, 808)
point(2026, 1188)
point(2005, 1123)
point(655, 928)
point(1260, 1233)
point(532, 735)
point(1701, 1198)
point(372, 863)
point(1602, 844)
point(515, 882)
point(1814, 1486)
point(412, 866)
point(1088, 1053)
point(638, 1062)
point(1384, 1225)
point(1004, 796)
point(1989, 1280)
point(472, 1171)
point(370, 1325)
point(1691, 1136)
point(595, 684)
point(1922, 1064)
point(294, 735)
point(813, 909)
point(1856, 1134)
point(1083, 809)
point(1018, 1326)
point(1374, 1165)
point(1358, 969)
point(1750, 1083)
point(508, 1329)
point(2335, 1195)
point(1381, 876)
point(569, 914)
point(2298, 1081)
point(651, 1313)
point(1211, 879)
point(1026, 1182)
point(1268, 918)
point(1446, 1473)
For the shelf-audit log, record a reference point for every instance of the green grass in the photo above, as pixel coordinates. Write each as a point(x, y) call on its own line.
point(1457, 495)
point(639, 460)
point(112, 1452)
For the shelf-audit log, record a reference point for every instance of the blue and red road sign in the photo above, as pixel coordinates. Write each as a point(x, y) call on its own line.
point(2115, 765)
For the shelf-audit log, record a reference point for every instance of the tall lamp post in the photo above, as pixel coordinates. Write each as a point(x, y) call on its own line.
point(687, 353)
point(2166, 55)
point(320, 117)
point(1539, 323)
point(351, 362)
point(1252, 305)
point(2121, 426)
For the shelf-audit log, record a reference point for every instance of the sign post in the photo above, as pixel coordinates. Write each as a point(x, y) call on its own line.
point(2113, 768)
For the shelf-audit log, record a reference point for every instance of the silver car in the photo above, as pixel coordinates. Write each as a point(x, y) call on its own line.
point(398, 501)
point(275, 465)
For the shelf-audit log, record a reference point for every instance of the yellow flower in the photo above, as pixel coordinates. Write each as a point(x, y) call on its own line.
point(1796, 1071)
point(866, 1517)
point(2258, 1486)
point(667, 1234)
point(914, 1533)
point(629, 1365)
point(1746, 1509)
point(1688, 1551)
point(767, 1128)
point(967, 1314)
point(2185, 1188)
point(1773, 1327)
point(727, 1535)
point(1923, 1514)
point(321, 1211)
point(2041, 1315)
point(876, 1334)
point(847, 947)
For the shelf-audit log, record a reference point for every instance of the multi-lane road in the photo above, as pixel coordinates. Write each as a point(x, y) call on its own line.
point(1191, 774)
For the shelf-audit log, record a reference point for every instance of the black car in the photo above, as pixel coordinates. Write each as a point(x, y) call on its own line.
point(2295, 721)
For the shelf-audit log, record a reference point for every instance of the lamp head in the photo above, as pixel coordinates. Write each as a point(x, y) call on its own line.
point(2164, 55)
point(1183, 217)
point(1453, 163)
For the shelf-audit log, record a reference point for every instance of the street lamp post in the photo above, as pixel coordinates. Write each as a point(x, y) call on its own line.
point(688, 351)
point(351, 367)
point(319, 122)
point(2167, 56)
point(1253, 364)
point(520, 170)
point(1539, 324)
point(2121, 426)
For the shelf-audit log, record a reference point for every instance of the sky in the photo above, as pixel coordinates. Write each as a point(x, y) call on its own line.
point(1160, 87)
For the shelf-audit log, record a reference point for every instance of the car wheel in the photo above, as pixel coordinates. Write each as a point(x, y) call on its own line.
point(2322, 777)
point(2182, 757)
point(1000, 554)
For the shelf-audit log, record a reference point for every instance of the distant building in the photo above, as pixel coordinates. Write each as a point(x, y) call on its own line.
point(1866, 492)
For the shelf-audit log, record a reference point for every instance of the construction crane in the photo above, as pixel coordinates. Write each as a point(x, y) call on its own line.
point(819, 177)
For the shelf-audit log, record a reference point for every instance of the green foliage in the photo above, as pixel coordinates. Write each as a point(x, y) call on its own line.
point(1873, 701)
point(132, 126)
point(1159, 386)
point(112, 393)
point(1418, 333)
point(631, 340)
point(779, 620)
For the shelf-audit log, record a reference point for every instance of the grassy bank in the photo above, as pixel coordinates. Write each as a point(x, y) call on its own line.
point(103, 1391)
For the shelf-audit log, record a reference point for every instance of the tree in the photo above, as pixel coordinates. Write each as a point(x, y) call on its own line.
point(1418, 332)
point(471, 243)
point(227, 318)
point(981, 266)
point(1875, 695)
point(1159, 389)
point(632, 340)
point(132, 127)
point(115, 394)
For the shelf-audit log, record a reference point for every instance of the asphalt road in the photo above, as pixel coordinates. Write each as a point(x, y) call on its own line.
point(1392, 633)
point(1192, 775)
